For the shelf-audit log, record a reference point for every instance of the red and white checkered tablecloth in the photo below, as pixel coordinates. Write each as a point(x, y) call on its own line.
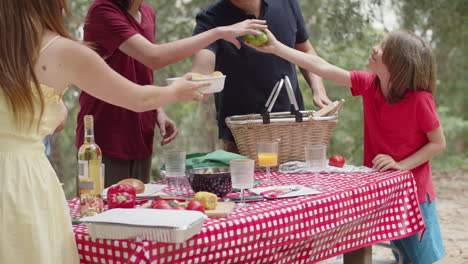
point(353, 211)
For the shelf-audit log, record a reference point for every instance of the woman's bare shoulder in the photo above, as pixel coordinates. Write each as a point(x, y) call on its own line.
point(70, 47)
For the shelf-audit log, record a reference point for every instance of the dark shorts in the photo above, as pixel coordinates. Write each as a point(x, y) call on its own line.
point(119, 169)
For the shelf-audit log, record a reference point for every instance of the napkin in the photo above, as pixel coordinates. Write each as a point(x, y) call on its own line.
point(299, 190)
point(301, 167)
point(217, 158)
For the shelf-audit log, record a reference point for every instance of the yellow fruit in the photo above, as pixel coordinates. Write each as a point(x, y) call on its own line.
point(209, 200)
point(216, 73)
point(197, 76)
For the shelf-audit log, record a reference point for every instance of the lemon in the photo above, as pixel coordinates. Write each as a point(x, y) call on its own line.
point(216, 73)
point(197, 76)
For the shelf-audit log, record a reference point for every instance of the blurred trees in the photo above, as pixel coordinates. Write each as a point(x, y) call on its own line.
point(342, 32)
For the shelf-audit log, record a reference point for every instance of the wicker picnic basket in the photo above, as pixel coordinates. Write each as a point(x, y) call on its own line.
point(294, 129)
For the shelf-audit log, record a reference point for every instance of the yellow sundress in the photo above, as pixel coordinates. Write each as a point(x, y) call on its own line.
point(35, 224)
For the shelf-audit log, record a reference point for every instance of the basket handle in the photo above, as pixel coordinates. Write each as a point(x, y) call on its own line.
point(284, 80)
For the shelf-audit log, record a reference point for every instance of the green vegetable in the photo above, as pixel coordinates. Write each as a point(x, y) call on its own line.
point(256, 40)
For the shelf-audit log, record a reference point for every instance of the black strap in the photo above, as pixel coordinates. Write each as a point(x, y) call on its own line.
point(283, 81)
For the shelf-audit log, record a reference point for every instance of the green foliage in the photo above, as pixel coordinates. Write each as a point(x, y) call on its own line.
point(342, 32)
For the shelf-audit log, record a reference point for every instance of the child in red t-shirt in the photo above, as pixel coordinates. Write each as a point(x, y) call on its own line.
point(401, 128)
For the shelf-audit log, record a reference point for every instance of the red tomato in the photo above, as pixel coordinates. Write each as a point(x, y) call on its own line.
point(160, 204)
point(196, 205)
point(337, 161)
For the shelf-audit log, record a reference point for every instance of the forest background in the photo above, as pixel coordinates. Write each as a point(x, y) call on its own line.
point(342, 32)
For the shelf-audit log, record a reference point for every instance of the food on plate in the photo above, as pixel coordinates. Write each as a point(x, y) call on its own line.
point(139, 185)
point(209, 200)
point(121, 196)
point(337, 161)
point(196, 206)
point(256, 40)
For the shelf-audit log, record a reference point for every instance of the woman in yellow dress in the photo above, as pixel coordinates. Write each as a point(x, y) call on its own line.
point(38, 60)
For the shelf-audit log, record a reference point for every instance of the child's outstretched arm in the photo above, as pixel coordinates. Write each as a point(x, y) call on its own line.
point(436, 144)
point(307, 61)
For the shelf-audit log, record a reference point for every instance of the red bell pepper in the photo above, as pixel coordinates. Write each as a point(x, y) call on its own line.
point(121, 196)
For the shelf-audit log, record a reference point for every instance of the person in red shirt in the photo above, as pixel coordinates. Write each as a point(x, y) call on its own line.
point(123, 33)
point(402, 130)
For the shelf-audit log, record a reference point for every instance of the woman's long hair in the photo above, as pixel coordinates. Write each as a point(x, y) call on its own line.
point(411, 64)
point(22, 25)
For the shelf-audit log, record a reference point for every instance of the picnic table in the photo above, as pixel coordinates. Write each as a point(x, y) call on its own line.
point(353, 212)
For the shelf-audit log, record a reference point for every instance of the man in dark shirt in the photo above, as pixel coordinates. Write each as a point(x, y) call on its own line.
point(250, 74)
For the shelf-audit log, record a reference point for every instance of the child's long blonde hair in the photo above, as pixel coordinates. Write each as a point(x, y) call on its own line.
point(22, 25)
point(411, 64)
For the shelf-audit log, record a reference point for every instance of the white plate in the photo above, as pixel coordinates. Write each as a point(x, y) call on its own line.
point(150, 191)
point(302, 191)
point(217, 83)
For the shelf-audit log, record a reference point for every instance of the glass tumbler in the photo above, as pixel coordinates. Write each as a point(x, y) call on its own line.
point(316, 161)
point(174, 161)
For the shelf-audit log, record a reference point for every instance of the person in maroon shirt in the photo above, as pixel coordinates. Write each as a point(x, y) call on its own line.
point(123, 33)
point(401, 128)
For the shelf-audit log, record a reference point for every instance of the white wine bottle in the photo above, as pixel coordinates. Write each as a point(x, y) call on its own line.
point(90, 178)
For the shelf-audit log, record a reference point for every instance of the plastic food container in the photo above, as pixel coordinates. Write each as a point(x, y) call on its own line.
point(169, 226)
point(217, 83)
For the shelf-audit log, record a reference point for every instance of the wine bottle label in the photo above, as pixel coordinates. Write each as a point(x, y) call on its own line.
point(83, 171)
point(86, 185)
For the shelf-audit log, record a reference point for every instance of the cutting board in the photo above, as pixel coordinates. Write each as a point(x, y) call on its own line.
point(223, 209)
point(329, 109)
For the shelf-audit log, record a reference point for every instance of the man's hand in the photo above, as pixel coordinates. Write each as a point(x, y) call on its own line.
point(167, 127)
point(248, 26)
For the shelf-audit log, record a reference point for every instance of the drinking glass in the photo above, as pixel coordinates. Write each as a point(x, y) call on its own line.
point(174, 161)
point(242, 176)
point(267, 157)
point(316, 161)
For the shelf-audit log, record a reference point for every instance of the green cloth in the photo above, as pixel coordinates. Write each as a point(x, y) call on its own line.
point(217, 158)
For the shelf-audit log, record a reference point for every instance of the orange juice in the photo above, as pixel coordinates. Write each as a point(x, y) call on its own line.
point(267, 159)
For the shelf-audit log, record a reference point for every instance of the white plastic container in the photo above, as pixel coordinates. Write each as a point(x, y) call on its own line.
point(169, 226)
point(216, 86)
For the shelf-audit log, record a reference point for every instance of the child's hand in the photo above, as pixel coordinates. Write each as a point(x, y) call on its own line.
point(383, 162)
point(270, 46)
